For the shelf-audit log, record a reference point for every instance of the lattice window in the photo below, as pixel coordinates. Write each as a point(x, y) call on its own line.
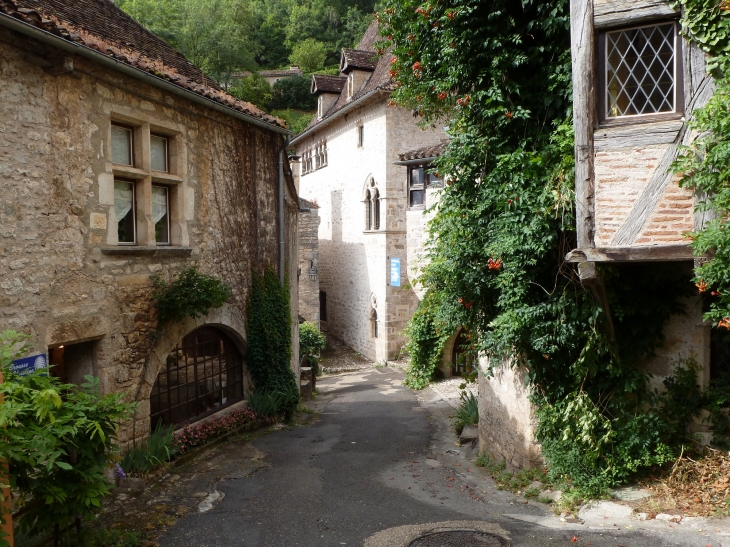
point(641, 71)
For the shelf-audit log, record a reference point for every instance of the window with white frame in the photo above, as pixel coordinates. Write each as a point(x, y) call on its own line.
point(420, 177)
point(161, 214)
point(640, 72)
point(159, 153)
point(124, 210)
point(122, 144)
point(143, 191)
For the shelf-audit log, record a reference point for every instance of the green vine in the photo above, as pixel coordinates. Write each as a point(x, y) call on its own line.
point(191, 294)
point(500, 71)
point(269, 340)
point(425, 346)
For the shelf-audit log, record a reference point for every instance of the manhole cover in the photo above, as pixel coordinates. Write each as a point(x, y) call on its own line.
point(460, 538)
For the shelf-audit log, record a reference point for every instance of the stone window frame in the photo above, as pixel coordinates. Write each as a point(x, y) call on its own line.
point(373, 323)
point(371, 203)
point(141, 174)
point(602, 103)
point(360, 135)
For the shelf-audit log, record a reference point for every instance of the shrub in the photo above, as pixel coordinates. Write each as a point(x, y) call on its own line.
point(269, 339)
point(294, 93)
point(192, 293)
point(200, 434)
point(155, 452)
point(265, 403)
point(426, 340)
point(312, 343)
point(58, 439)
point(467, 412)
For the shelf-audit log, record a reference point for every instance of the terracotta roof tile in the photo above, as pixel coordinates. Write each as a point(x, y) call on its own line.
point(102, 26)
point(424, 152)
point(357, 59)
point(327, 84)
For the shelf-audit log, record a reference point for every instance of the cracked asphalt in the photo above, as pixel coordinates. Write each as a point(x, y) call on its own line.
point(377, 466)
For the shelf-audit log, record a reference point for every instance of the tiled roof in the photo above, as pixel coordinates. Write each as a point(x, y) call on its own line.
point(357, 59)
point(327, 84)
point(424, 152)
point(287, 72)
point(379, 80)
point(306, 203)
point(102, 26)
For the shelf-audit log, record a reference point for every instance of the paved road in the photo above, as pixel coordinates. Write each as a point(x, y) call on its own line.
point(375, 461)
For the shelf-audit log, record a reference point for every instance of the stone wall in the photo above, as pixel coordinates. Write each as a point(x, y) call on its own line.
point(309, 256)
point(63, 278)
point(506, 417)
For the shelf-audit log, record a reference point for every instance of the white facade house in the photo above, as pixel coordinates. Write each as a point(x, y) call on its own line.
point(347, 167)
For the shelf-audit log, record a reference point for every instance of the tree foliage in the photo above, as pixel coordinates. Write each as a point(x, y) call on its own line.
point(293, 93)
point(309, 55)
point(500, 73)
point(58, 439)
point(224, 36)
point(254, 89)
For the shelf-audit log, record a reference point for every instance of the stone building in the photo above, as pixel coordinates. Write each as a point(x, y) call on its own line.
point(308, 261)
point(119, 160)
point(636, 82)
point(347, 167)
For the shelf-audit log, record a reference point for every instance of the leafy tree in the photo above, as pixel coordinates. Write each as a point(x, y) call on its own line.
point(215, 35)
point(293, 92)
point(309, 55)
point(254, 89)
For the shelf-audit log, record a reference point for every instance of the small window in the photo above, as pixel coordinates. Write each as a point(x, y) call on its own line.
point(161, 214)
point(374, 322)
point(640, 70)
point(124, 211)
point(417, 187)
point(376, 210)
point(360, 135)
point(122, 145)
point(158, 152)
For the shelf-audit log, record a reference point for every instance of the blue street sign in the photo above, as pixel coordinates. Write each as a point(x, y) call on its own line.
point(395, 272)
point(28, 365)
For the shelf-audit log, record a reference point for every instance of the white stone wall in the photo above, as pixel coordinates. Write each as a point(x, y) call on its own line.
point(355, 264)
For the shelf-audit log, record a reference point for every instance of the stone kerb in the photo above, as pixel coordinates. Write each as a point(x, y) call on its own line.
point(227, 318)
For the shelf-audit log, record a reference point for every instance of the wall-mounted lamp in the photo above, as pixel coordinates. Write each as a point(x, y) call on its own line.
point(312, 271)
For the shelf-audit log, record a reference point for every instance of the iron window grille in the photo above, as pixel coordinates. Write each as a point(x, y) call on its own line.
point(640, 72)
point(202, 374)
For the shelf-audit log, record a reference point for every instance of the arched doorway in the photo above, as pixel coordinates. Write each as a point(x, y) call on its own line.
point(201, 375)
point(462, 357)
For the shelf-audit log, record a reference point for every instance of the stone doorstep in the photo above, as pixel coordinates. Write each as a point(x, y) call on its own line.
point(470, 434)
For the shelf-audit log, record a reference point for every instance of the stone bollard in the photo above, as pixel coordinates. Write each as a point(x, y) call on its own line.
point(305, 391)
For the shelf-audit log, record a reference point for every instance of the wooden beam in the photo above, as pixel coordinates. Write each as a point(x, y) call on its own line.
point(637, 135)
point(616, 13)
point(645, 253)
point(583, 57)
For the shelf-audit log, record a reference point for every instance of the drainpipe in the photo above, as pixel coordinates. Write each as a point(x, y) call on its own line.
point(282, 152)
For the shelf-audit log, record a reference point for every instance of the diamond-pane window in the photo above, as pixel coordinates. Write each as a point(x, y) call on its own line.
point(641, 71)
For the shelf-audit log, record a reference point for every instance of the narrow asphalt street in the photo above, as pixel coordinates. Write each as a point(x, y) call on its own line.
point(377, 466)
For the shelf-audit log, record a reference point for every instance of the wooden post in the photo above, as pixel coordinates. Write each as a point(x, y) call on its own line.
point(583, 56)
point(7, 506)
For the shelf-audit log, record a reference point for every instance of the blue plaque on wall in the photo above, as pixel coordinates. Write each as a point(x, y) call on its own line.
point(395, 272)
point(28, 365)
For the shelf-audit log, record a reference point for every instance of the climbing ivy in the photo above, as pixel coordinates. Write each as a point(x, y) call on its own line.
point(425, 346)
point(500, 73)
point(269, 339)
point(191, 294)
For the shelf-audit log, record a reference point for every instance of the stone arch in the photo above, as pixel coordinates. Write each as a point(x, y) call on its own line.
point(227, 318)
point(371, 200)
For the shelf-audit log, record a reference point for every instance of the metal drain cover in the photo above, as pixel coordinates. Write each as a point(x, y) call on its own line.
point(460, 538)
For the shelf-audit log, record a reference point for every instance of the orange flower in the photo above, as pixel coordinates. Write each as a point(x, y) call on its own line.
point(494, 264)
point(702, 286)
point(715, 293)
point(508, 114)
point(724, 324)
point(442, 95)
